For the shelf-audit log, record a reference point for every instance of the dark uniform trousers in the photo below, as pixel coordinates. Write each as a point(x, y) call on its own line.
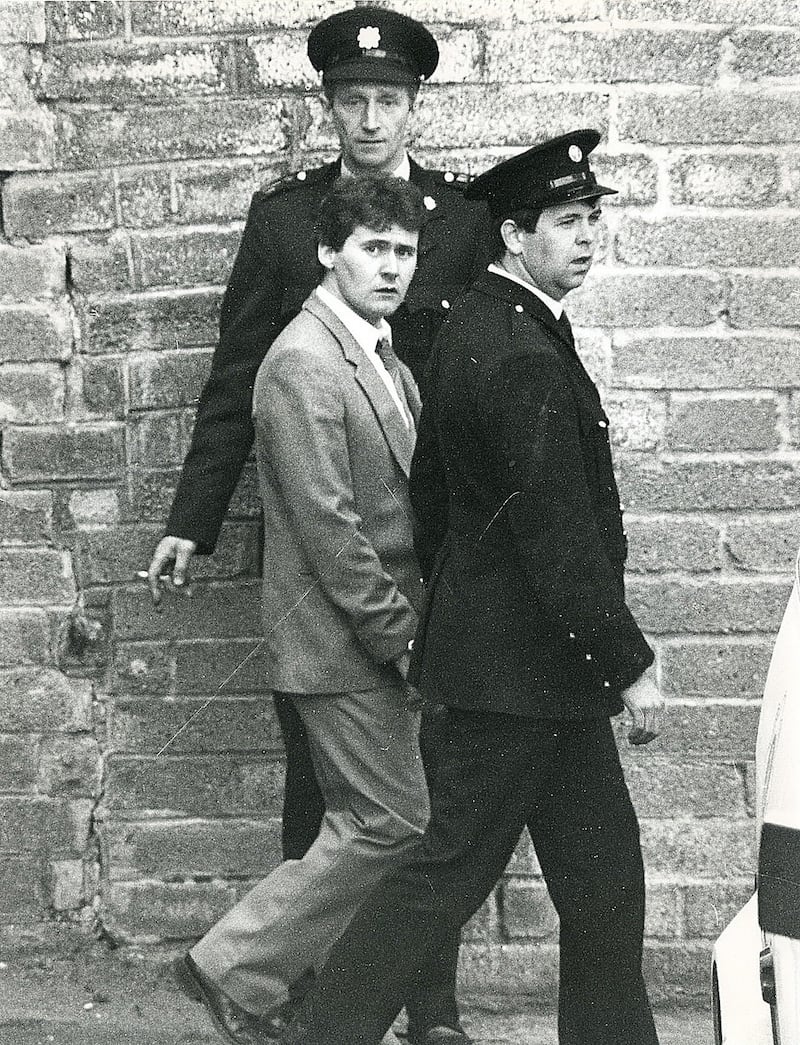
point(498, 774)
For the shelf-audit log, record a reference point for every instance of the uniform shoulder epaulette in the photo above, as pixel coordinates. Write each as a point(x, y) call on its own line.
point(452, 179)
point(295, 180)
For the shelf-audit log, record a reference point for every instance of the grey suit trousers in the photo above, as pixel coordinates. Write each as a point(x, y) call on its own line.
point(365, 749)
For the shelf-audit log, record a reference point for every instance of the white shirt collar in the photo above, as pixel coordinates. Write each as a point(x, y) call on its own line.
point(555, 306)
point(364, 333)
point(403, 170)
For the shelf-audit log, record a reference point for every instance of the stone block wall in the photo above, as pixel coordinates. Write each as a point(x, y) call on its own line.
point(140, 777)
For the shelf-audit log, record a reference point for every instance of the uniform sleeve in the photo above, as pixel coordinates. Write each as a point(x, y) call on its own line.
point(223, 431)
point(299, 415)
point(531, 412)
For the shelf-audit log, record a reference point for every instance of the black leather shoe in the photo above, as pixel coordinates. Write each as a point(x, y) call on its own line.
point(235, 1024)
point(439, 1036)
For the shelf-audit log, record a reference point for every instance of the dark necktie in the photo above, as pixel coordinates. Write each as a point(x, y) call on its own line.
point(387, 356)
point(565, 328)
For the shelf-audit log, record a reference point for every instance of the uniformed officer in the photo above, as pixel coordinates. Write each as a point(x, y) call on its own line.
point(527, 638)
point(372, 62)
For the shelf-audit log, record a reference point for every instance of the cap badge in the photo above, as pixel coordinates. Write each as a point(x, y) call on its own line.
point(575, 153)
point(430, 202)
point(369, 37)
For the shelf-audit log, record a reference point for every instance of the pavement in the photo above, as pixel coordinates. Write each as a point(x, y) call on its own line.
point(119, 998)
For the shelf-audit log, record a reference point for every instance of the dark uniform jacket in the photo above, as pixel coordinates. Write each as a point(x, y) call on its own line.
point(275, 270)
point(520, 532)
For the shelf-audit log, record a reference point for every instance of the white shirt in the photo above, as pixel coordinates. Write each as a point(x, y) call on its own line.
point(367, 337)
point(555, 306)
point(402, 171)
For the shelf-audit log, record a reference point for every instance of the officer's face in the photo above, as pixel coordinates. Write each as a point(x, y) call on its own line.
point(372, 271)
point(559, 252)
point(371, 119)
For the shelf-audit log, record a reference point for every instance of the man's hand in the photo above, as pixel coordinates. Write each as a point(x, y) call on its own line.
point(172, 557)
point(646, 705)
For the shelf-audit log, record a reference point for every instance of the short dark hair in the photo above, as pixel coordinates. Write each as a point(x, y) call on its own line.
point(524, 219)
point(375, 201)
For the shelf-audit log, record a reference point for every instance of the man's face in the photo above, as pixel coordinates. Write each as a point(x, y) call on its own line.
point(558, 254)
point(372, 271)
point(371, 119)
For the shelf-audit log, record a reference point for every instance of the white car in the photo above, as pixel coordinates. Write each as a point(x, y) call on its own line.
point(756, 960)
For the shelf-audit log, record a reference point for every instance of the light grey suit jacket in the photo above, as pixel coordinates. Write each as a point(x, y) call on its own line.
point(342, 584)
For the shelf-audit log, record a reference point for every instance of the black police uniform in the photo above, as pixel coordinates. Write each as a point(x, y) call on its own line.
point(528, 642)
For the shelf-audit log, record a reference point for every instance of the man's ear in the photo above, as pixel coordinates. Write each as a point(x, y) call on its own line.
point(326, 256)
point(510, 232)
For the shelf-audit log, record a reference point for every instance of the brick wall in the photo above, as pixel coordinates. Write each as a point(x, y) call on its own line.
point(131, 138)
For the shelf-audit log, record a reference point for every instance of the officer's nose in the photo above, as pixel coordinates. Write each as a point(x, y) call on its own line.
point(369, 117)
point(391, 266)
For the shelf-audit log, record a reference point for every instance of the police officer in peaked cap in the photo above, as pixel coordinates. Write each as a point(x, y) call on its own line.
point(372, 62)
point(526, 639)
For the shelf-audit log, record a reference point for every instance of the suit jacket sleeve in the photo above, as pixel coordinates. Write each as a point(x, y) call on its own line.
point(531, 409)
point(299, 413)
point(223, 432)
point(428, 491)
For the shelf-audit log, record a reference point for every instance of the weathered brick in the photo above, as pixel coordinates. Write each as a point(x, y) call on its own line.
point(643, 299)
point(527, 911)
point(749, 179)
point(26, 516)
point(192, 848)
point(195, 726)
point(216, 786)
point(34, 332)
point(168, 380)
point(713, 423)
point(172, 17)
point(32, 272)
point(65, 884)
point(69, 766)
point(634, 176)
point(709, 117)
point(505, 970)
point(767, 543)
point(637, 419)
point(180, 258)
point(150, 495)
point(760, 54)
point(146, 322)
point(105, 137)
point(662, 916)
point(101, 265)
point(152, 911)
point(27, 139)
point(715, 606)
point(39, 205)
point(604, 56)
point(22, 22)
point(705, 362)
point(689, 242)
point(31, 392)
point(126, 73)
point(277, 59)
point(221, 611)
point(156, 440)
point(21, 893)
point(94, 507)
point(218, 193)
point(766, 301)
point(718, 669)
point(660, 544)
point(709, 908)
point(35, 576)
point(102, 389)
point(145, 197)
point(17, 763)
point(713, 485)
point(713, 848)
point(142, 669)
point(36, 824)
point(79, 452)
point(686, 789)
point(203, 666)
point(24, 638)
point(747, 12)
point(84, 19)
point(42, 700)
point(676, 972)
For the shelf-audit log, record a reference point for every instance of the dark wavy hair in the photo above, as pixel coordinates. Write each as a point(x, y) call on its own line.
point(375, 201)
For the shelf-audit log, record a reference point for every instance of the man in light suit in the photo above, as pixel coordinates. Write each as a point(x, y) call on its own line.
point(334, 413)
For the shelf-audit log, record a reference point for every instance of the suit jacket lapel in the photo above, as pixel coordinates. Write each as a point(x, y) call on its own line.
point(399, 438)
